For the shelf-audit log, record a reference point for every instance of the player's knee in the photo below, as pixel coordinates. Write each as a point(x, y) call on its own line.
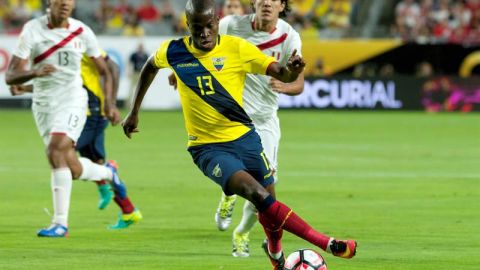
point(76, 172)
point(245, 185)
point(255, 194)
point(55, 156)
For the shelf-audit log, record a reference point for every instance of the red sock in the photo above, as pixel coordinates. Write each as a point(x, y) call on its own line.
point(101, 182)
point(125, 204)
point(274, 240)
point(279, 216)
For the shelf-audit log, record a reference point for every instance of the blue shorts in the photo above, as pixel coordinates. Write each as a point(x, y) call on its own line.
point(219, 161)
point(91, 143)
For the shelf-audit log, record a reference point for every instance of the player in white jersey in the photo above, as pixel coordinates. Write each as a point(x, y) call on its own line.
point(52, 46)
point(277, 38)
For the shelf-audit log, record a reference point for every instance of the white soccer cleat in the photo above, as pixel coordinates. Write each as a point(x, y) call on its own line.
point(223, 216)
point(240, 245)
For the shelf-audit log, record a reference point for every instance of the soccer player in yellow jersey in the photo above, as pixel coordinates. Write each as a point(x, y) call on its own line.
point(210, 70)
point(91, 143)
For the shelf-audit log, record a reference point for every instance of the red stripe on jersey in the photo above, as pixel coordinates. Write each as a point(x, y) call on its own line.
point(55, 47)
point(58, 133)
point(272, 43)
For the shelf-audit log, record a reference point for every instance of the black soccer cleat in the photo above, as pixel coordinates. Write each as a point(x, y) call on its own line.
point(278, 264)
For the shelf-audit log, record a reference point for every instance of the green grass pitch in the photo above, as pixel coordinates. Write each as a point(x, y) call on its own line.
point(406, 186)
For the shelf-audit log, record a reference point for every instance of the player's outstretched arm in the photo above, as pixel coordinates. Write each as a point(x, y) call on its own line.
point(107, 86)
point(289, 73)
point(292, 89)
point(17, 72)
point(115, 71)
point(148, 73)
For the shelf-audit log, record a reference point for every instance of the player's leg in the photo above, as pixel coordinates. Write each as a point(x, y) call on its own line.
point(129, 214)
point(278, 216)
point(95, 152)
point(71, 121)
point(273, 215)
point(269, 132)
point(61, 184)
point(87, 148)
point(61, 177)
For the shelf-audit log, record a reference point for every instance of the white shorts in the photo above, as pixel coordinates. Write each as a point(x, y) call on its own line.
point(68, 120)
point(269, 131)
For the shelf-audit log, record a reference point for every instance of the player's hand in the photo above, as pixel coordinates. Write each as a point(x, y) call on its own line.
point(45, 70)
point(16, 90)
point(276, 85)
point(295, 63)
point(114, 115)
point(130, 124)
point(172, 80)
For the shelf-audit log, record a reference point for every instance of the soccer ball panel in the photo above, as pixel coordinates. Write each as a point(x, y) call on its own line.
point(305, 259)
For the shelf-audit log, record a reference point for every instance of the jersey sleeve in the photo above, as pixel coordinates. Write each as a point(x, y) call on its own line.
point(295, 43)
point(224, 23)
point(254, 61)
point(25, 42)
point(93, 49)
point(160, 56)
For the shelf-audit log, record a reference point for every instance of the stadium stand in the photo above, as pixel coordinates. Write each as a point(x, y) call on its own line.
point(419, 21)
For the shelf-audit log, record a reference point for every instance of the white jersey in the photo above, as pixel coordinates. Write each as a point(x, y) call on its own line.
point(62, 48)
point(259, 100)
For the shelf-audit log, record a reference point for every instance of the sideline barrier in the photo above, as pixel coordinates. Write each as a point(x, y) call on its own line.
point(161, 96)
point(334, 92)
point(441, 93)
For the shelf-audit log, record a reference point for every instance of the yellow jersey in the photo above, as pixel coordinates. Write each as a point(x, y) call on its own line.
point(210, 85)
point(91, 82)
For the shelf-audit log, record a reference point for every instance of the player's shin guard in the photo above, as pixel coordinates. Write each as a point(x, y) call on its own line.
point(275, 215)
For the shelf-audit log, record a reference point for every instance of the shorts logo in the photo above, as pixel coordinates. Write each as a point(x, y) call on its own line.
point(218, 62)
point(217, 172)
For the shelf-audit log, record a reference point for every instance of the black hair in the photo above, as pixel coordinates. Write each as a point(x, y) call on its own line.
point(285, 11)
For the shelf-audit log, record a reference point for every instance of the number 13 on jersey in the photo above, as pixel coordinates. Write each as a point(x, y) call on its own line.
point(205, 84)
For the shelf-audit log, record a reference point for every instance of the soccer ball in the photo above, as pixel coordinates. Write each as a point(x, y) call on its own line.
point(305, 259)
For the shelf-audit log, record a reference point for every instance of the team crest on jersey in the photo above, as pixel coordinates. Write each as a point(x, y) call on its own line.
point(218, 62)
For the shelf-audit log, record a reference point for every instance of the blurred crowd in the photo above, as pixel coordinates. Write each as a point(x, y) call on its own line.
point(438, 21)
point(313, 18)
point(421, 21)
point(14, 13)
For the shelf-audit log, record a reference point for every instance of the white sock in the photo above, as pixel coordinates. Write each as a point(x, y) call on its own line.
point(61, 183)
point(249, 218)
point(275, 256)
point(94, 172)
point(329, 250)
